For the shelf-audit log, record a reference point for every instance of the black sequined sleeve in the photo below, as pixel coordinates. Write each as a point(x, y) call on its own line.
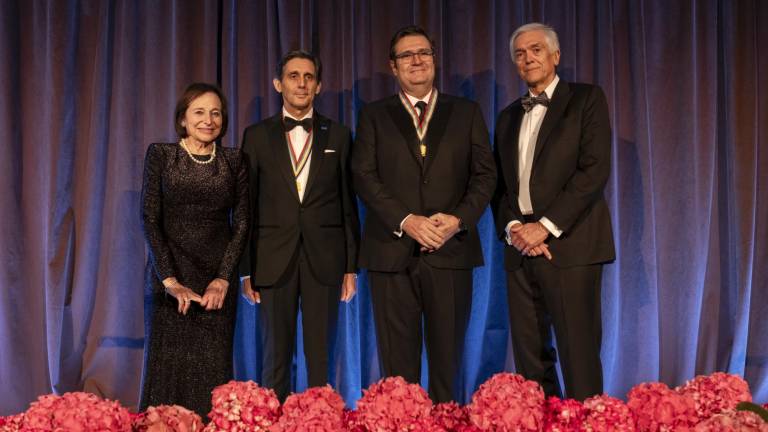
point(240, 219)
point(152, 213)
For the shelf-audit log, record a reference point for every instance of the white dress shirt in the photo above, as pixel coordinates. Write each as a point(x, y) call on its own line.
point(298, 138)
point(529, 133)
point(413, 100)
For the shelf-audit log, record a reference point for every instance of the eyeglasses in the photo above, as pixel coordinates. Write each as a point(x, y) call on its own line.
point(410, 56)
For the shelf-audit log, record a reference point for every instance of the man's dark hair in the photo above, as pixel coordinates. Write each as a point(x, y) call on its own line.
point(408, 31)
point(192, 92)
point(302, 55)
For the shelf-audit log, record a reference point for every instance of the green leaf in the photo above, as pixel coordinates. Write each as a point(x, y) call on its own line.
point(755, 408)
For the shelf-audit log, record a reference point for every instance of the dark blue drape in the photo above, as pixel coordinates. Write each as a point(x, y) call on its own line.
point(87, 85)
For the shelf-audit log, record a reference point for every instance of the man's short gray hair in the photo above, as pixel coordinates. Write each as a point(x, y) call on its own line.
point(549, 34)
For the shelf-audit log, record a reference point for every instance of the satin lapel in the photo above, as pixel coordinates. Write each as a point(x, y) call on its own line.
point(437, 125)
point(555, 112)
point(320, 132)
point(279, 147)
point(404, 123)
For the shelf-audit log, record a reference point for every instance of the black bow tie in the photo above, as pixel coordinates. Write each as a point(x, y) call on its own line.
point(291, 123)
point(529, 102)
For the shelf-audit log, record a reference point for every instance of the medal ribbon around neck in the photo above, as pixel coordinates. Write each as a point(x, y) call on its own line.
point(299, 162)
point(421, 127)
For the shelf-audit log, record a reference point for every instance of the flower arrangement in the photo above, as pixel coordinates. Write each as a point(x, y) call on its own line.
point(715, 393)
point(563, 415)
point(168, 418)
point(608, 414)
point(317, 409)
point(392, 404)
point(508, 402)
point(659, 408)
point(76, 411)
point(733, 421)
point(243, 406)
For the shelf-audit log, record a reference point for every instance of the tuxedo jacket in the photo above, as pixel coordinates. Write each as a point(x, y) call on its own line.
point(325, 222)
point(456, 177)
point(571, 165)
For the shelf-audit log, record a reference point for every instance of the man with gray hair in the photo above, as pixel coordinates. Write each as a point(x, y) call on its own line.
point(553, 154)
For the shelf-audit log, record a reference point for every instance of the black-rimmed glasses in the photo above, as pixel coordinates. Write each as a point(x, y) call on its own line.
point(410, 56)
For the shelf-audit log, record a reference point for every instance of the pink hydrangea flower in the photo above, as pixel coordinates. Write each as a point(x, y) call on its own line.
point(507, 402)
point(563, 415)
point(450, 416)
point(352, 422)
point(425, 424)
point(11, 423)
point(168, 418)
point(608, 414)
point(243, 406)
point(733, 421)
point(659, 408)
point(77, 411)
point(392, 404)
point(317, 409)
point(715, 393)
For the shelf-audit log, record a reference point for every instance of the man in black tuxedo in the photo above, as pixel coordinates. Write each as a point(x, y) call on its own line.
point(423, 166)
point(553, 152)
point(305, 231)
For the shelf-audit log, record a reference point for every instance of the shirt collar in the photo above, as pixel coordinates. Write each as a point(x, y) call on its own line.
point(307, 115)
point(550, 90)
point(413, 99)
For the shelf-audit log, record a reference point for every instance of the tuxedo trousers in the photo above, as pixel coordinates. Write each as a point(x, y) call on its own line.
point(541, 297)
point(438, 299)
point(298, 289)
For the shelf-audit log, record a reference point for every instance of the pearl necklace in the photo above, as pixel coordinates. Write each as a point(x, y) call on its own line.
point(183, 143)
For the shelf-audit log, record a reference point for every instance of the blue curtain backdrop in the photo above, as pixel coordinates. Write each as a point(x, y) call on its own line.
point(85, 86)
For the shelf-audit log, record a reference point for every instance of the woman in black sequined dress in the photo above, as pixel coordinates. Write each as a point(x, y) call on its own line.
point(195, 218)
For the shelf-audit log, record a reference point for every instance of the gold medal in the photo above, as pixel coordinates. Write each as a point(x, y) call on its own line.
point(421, 125)
point(299, 162)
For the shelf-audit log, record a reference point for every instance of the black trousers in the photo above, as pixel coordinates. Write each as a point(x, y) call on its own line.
point(542, 296)
point(280, 303)
point(443, 297)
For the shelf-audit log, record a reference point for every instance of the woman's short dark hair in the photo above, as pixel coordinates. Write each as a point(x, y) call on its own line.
point(302, 55)
point(412, 30)
point(192, 92)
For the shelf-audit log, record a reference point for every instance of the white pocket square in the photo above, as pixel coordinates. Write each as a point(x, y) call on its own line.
point(330, 151)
